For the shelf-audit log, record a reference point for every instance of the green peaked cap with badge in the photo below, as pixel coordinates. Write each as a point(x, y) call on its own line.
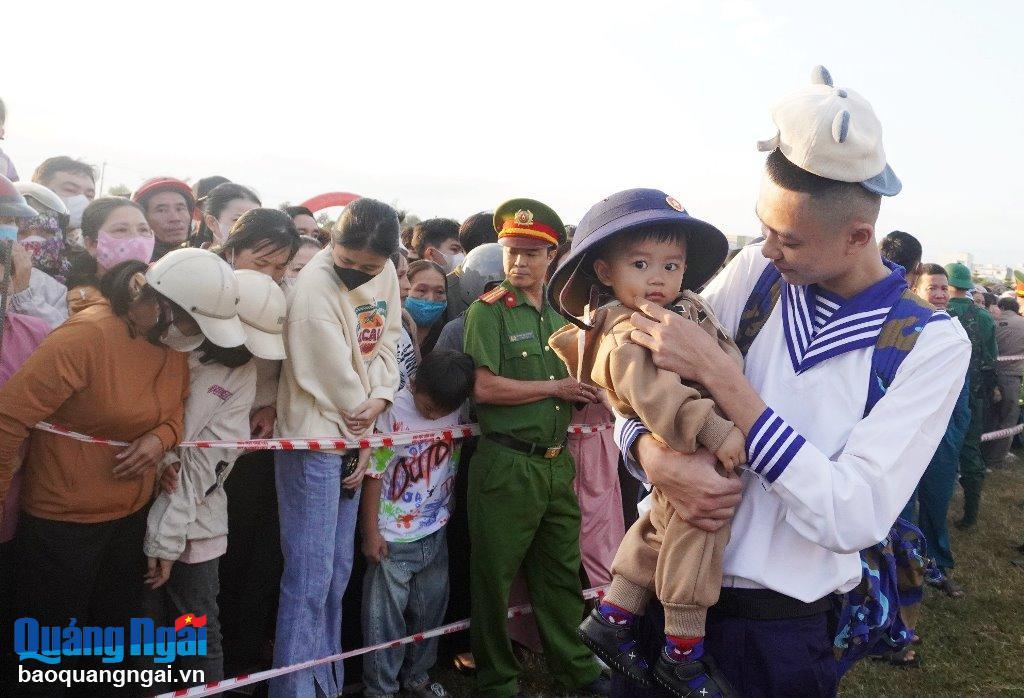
point(528, 223)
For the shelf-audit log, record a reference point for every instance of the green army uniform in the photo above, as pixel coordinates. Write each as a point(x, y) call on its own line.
point(523, 512)
point(981, 331)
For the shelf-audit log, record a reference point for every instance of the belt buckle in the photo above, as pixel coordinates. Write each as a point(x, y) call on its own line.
point(553, 452)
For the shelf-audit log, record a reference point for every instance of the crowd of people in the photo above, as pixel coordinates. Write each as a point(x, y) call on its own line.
point(777, 409)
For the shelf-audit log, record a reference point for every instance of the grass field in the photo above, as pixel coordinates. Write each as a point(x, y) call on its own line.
point(971, 646)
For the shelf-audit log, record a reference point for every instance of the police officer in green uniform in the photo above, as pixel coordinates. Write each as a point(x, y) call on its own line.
point(522, 508)
point(981, 330)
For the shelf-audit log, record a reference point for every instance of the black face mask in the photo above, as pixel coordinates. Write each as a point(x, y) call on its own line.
point(352, 278)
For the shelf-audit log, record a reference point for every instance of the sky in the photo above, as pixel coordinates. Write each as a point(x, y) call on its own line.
point(446, 108)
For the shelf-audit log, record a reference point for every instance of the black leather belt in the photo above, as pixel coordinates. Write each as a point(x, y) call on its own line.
point(526, 447)
point(765, 604)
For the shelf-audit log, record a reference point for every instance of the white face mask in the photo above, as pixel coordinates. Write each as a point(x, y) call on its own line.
point(455, 260)
point(220, 235)
point(33, 238)
point(178, 341)
point(76, 206)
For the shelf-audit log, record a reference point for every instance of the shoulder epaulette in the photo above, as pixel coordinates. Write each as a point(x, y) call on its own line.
point(493, 296)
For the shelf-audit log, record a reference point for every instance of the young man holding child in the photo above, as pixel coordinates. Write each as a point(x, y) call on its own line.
point(834, 451)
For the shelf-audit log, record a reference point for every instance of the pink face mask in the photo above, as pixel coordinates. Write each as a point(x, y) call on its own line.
point(111, 250)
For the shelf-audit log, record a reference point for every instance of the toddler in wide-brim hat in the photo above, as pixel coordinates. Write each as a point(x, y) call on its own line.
point(638, 245)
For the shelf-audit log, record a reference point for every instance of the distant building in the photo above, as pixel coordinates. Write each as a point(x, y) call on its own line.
point(963, 257)
point(997, 272)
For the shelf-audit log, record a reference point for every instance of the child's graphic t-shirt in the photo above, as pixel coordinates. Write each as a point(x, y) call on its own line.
point(417, 479)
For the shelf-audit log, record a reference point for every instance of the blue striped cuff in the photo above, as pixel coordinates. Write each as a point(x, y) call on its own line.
point(771, 445)
point(631, 430)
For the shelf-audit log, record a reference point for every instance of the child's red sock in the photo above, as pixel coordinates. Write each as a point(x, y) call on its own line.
point(616, 615)
point(684, 649)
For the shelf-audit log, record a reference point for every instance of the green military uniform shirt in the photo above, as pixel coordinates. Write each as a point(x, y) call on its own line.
point(981, 330)
point(508, 335)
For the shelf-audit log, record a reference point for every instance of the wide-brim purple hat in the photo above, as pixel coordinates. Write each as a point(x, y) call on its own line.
point(622, 213)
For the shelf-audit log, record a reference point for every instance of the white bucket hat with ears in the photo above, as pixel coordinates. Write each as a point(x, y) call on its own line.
point(204, 285)
point(832, 132)
point(262, 310)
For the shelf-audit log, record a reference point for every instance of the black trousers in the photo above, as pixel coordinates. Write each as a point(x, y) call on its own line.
point(457, 531)
point(90, 572)
point(250, 570)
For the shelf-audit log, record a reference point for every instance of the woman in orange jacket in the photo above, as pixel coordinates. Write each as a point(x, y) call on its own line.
point(105, 372)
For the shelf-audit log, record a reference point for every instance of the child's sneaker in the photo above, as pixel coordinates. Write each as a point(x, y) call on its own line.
point(616, 646)
point(700, 678)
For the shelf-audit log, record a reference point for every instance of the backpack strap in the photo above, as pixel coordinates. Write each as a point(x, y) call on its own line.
point(898, 335)
point(759, 307)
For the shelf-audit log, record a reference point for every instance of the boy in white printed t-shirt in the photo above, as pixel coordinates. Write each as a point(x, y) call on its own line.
point(405, 505)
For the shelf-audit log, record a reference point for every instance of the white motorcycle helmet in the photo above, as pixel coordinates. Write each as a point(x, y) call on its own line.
point(45, 200)
point(42, 198)
point(204, 285)
point(261, 308)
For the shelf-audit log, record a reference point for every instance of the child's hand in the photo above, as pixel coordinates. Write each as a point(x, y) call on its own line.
point(169, 479)
point(733, 451)
point(355, 480)
point(158, 571)
point(375, 548)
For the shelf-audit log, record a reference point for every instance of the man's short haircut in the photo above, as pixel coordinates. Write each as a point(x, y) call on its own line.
point(1009, 304)
point(990, 299)
point(298, 211)
point(432, 233)
point(903, 249)
point(477, 230)
point(930, 269)
point(446, 377)
point(835, 197)
point(48, 169)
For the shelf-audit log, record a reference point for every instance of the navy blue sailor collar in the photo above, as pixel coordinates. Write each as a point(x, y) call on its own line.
point(820, 325)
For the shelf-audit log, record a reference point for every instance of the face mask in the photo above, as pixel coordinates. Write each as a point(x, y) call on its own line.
point(221, 234)
point(455, 260)
point(43, 223)
point(176, 340)
point(8, 231)
point(352, 278)
point(424, 313)
point(111, 250)
point(76, 206)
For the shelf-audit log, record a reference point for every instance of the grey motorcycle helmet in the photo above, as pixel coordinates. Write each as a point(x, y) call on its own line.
point(482, 266)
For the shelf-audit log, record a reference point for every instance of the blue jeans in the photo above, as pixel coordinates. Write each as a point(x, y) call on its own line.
point(318, 526)
point(406, 593)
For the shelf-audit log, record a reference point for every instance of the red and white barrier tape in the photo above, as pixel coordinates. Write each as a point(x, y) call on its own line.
point(1002, 433)
point(215, 687)
point(398, 438)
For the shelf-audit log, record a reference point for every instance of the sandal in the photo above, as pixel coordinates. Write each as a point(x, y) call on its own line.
point(906, 658)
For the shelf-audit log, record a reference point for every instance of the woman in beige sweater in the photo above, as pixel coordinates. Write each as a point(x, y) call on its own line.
point(344, 321)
